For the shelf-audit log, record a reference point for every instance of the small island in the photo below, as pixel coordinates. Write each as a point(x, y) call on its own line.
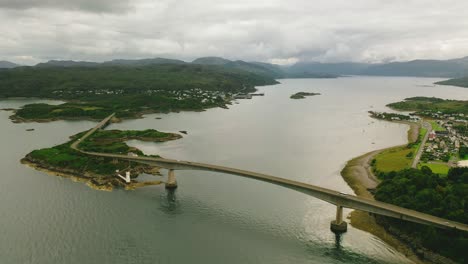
point(302, 95)
point(98, 172)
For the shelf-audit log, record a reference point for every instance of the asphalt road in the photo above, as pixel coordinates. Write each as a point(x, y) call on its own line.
point(417, 158)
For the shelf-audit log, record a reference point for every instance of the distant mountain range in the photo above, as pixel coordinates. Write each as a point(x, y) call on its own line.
point(454, 68)
point(421, 68)
point(7, 65)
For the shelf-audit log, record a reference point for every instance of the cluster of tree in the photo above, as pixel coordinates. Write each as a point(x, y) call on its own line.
point(424, 191)
point(67, 110)
point(125, 134)
point(463, 151)
point(431, 104)
point(388, 116)
point(63, 157)
point(125, 106)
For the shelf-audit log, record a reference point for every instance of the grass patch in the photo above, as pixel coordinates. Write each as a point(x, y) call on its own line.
point(436, 126)
point(422, 134)
point(398, 158)
point(441, 169)
point(394, 159)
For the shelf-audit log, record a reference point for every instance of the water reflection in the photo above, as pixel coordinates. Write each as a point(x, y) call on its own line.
point(170, 204)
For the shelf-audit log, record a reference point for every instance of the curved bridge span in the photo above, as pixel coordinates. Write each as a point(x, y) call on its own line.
point(341, 200)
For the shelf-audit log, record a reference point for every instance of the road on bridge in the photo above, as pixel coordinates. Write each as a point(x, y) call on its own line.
point(337, 198)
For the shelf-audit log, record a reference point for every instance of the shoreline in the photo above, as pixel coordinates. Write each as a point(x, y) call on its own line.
point(138, 115)
point(358, 174)
point(94, 181)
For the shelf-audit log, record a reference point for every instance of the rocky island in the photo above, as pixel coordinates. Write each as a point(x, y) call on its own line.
point(302, 95)
point(98, 172)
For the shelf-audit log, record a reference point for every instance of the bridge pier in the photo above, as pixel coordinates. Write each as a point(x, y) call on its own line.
point(171, 180)
point(339, 226)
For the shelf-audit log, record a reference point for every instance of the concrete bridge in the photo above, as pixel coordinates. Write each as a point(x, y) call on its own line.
point(340, 200)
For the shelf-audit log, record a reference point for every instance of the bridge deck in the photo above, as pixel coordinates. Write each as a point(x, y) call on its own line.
point(331, 196)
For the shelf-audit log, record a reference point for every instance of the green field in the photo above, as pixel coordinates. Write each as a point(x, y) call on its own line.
point(441, 169)
point(394, 159)
point(436, 126)
point(398, 158)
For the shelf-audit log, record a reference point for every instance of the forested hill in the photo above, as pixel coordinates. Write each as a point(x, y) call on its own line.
point(77, 82)
point(462, 82)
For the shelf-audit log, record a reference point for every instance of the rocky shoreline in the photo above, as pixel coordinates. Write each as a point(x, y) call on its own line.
point(95, 181)
point(359, 176)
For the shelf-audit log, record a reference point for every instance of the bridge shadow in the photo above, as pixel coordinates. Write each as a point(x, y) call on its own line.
point(170, 204)
point(338, 239)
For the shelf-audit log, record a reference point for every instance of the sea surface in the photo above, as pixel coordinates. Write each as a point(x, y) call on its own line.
point(211, 217)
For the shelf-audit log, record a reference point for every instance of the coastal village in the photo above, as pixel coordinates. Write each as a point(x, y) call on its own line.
point(204, 95)
point(447, 140)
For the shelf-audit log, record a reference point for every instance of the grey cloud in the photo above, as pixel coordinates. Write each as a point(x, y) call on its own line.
point(274, 30)
point(97, 6)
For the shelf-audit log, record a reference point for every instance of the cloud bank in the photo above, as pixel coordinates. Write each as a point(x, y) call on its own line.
point(271, 31)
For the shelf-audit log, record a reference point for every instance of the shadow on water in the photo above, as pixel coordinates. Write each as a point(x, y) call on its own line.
point(169, 202)
point(340, 253)
point(338, 238)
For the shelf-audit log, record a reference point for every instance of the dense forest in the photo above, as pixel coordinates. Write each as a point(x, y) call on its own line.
point(424, 191)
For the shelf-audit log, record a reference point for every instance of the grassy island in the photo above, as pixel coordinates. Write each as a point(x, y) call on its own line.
point(98, 172)
point(302, 95)
point(95, 92)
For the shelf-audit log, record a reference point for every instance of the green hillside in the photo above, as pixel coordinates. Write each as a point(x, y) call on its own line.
point(95, 92)
point(462, 82)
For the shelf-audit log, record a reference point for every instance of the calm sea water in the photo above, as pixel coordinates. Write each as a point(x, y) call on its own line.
point(212, 217)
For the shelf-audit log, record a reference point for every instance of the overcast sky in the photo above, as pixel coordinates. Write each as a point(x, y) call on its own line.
point(33, 31)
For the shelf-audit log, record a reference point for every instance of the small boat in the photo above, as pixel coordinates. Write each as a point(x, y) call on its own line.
point(30, 129)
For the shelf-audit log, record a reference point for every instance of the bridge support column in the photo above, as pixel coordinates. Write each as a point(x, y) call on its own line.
point(338, 225)
point(171, 180)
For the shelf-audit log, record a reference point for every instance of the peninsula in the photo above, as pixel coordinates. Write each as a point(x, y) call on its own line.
point(421, 175)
